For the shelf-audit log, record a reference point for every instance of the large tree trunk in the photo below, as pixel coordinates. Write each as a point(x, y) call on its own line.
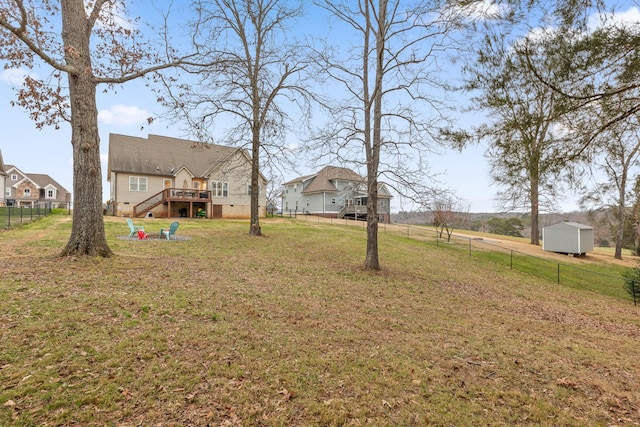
point(535, 223)
point(620, 217)
point(254, 229)
point(371, 260)
point(87, 232)
point(535, 212)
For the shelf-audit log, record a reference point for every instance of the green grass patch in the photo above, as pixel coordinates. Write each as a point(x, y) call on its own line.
point(289, 329)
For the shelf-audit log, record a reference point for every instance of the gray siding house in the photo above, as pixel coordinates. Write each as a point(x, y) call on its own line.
point(333, 192)
point(568, 238)
point(171, 177)
point(3, 185)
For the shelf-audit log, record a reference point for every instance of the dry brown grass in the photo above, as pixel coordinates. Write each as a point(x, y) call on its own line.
point(226, 329)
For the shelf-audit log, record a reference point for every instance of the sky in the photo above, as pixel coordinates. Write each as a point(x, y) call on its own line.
point(49, 151)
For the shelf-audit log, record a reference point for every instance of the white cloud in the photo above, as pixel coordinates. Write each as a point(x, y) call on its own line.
point(123, 115)
point(619, 19)
point(15, 76)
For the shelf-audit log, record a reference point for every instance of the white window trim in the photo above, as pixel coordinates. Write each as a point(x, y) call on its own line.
point(219, 189)
point(135, 187)
point(14, 177)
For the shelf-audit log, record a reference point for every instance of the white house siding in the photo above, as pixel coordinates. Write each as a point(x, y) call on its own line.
point(292, 195)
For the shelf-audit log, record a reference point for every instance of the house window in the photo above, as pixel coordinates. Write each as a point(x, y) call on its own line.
point(14, 177)
point(137, 183)
point(295, 188)
point(333, 200)
point(219, 189)
point(307, 202)
point(27, 192)
point(51, 194)
point(249, 189)
point(196, 185)
point(7, 191)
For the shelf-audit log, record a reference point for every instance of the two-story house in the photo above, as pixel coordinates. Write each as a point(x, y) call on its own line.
point(3, 180)
point(333, 192)
point(172, 177)
point(29, 189)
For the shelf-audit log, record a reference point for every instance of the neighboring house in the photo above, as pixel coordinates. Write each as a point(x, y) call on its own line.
point(333, 192)
point(170, 177)
point(3, 181)
point(272, 207)
point(29, 189)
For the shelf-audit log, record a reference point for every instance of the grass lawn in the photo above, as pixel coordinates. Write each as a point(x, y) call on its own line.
point(289, 330)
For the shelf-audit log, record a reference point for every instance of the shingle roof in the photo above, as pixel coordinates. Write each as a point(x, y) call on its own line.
point(162, 155)
point(43, 181)
point(323, 179)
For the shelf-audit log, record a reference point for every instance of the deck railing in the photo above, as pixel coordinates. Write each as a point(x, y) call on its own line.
point(173, 195)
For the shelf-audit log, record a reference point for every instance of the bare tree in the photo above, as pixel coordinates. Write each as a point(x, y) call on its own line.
point(447, 214)
point(90, 45)
point(620, 156)
point(394, 102)
point(253, 81)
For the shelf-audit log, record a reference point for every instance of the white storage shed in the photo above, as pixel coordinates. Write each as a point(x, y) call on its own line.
point(567, 238)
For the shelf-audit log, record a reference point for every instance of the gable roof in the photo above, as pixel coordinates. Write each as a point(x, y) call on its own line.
point(162, 155)
point(40, 180)
point(44, 181)
point(323, 180)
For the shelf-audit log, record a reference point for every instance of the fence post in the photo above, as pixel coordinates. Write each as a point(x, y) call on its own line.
point(9, 216)
point(558, 273)
point(511, 265)
point(469, 247)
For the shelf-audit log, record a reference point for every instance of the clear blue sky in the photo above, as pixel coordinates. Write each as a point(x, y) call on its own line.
point(49, 151)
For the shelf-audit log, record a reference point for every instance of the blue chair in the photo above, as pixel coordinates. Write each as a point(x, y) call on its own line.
point(133, 229)
point(171, 231)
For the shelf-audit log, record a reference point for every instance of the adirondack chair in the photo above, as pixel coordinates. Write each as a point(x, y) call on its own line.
point(171, 231)
point(133, 229)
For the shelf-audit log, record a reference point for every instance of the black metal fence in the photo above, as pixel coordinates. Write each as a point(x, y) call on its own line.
point(567, 274)
point(13, 215)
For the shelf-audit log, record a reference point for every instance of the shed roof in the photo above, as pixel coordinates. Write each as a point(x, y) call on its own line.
point(570, 224)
